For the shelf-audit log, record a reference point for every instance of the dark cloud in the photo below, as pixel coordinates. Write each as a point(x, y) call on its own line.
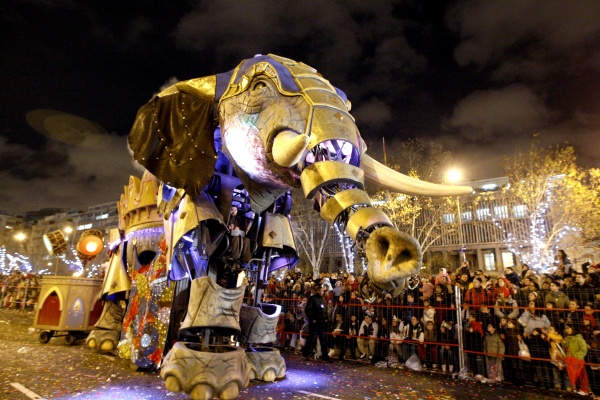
point(62, 176)
point(553, 34)
point(512, 110)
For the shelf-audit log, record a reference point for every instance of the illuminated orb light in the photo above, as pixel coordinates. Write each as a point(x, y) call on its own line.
point(91, 243)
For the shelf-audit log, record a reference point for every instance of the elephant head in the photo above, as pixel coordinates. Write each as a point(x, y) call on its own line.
point(282, 126)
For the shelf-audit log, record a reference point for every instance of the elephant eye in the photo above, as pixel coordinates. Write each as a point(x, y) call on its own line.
point(258, 85)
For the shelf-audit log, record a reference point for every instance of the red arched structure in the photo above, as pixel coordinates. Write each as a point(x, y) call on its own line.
point(50, 312)
point(96, 312)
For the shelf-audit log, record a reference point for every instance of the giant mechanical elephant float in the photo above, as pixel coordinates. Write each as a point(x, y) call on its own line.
point(245, 138)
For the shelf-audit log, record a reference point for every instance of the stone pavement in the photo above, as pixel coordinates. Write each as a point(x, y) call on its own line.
point(57, 371)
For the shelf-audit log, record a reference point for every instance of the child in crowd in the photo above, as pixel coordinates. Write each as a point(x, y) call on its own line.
point(428, 312)
point(494, 348)
point(557, 355)
point(575, 346)
point(447, 351)
point(430, 346)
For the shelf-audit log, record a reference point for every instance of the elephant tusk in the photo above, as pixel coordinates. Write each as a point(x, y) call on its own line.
point(387, 178)
point(288, 148)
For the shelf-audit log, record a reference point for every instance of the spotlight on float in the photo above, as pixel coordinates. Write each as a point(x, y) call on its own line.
point(91, 243)
point(55, 243)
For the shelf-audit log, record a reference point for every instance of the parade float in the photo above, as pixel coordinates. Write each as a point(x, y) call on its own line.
point(228, 149)
point(69, 306)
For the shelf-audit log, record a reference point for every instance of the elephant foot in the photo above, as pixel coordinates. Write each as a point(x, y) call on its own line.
point(219, 371)
point(202, 391)
point(107, 346)
point(230, 391)
point(172, 384)
point(265, 363)
point(102, 340)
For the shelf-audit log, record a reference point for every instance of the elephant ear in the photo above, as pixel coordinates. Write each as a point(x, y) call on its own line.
point(173, 135)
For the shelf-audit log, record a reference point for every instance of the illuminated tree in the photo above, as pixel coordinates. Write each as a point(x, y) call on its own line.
point(419, 216)
point(10, 261)
point(560, 200)
point(311, 233)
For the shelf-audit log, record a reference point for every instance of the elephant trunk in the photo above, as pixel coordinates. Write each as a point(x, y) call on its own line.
point(339, 187)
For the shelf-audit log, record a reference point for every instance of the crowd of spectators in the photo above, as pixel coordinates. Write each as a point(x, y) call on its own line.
point(19, 290)
point(518, 327)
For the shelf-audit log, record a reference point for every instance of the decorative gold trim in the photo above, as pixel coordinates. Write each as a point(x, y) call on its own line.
point(341, 201)
point(364, 219)
point(324, 173)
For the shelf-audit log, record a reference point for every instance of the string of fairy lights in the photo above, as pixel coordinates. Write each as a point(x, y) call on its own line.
point(536, 250)
point(9, 262)
point(16, 261)
point(347, 251)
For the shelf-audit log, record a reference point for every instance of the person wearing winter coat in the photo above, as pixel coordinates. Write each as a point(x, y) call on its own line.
point(556, 355)
point(474, 344)
point(396, 337)
point(316, 315)
point(448, 349)
point(494, 348)
point(574, 345)
point(539, 349)
point(513, 365)
point(442, 302)
point(512, 276)
point(430, 346)
point(428, 312)
point(556, 296)
point(531, 319)
point(442, 274)
point(464, 269)
point(340, 336)
point(501, 288)
point(477, 295)
point(506, 307)
point(415, 337)
point(368, 333)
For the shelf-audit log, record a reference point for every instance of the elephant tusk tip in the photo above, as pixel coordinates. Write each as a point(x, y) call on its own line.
point(288, 148)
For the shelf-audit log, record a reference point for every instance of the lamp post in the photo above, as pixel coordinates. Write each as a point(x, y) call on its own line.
point(454, 176)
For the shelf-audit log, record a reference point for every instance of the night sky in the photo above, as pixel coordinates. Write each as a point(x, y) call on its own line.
point(479, 77)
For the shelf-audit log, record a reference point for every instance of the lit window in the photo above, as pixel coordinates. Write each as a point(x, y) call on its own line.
point(466, 216)
point(508, 260)
point(483, 213)
point(520, 211)
point(489, 186)
point(448, 218)
point(489, 261)
point(501, 211)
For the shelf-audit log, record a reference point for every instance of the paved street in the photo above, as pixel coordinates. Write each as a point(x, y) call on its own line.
point(32, 370)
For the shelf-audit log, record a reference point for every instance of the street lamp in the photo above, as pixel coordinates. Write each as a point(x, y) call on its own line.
point(454, 176)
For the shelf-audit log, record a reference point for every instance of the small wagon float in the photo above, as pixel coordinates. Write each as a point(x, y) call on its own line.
point(69, 306)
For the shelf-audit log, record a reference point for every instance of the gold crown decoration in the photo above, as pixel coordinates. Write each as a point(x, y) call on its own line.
point(137, 205)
